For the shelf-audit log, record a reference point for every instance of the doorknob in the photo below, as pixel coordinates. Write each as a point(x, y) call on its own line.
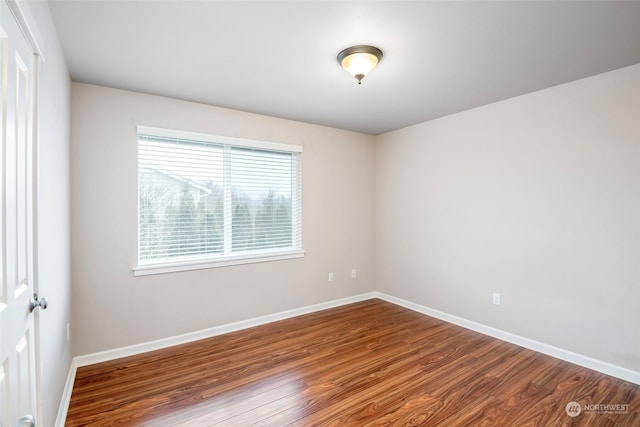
point(34, 303)
point(26, 421)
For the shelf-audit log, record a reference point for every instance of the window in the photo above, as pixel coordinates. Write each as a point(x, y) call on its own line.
point(206, 201)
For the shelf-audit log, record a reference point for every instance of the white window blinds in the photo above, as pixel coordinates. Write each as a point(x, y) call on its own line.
point(202, 197)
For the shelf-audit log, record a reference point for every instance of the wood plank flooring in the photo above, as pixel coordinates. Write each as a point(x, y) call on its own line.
point(366, 364)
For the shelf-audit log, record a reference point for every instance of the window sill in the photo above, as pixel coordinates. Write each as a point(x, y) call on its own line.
point(145, 270)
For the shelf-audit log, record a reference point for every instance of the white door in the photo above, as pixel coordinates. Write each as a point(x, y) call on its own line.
point(17, 344)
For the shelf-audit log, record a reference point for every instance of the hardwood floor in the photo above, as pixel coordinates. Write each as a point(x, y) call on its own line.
point(366, 364)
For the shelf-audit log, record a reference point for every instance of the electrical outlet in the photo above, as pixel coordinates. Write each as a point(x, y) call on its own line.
point(496, 298)
point(331, 278)
point(354, 274)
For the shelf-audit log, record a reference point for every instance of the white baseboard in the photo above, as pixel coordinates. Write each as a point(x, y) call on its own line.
point(66, 395)
point(103, 356)
point(558, 353)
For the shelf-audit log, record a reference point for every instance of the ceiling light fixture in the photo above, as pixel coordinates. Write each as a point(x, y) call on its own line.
point(359, 60)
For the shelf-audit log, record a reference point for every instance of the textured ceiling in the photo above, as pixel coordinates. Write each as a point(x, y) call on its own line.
point(279, 58)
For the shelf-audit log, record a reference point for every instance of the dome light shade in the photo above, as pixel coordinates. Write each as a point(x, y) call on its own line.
point(359, 60)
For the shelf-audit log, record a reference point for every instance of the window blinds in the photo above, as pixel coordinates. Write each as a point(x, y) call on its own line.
point(207, 197)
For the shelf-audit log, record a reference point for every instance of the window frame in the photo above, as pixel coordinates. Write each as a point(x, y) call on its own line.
point(206, 260)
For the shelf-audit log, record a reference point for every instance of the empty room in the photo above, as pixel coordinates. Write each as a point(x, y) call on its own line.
point(320, 213)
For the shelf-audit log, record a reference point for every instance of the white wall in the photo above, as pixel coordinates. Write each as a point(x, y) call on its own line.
point(112, 308)
point(536, 197)
point(53, 258)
